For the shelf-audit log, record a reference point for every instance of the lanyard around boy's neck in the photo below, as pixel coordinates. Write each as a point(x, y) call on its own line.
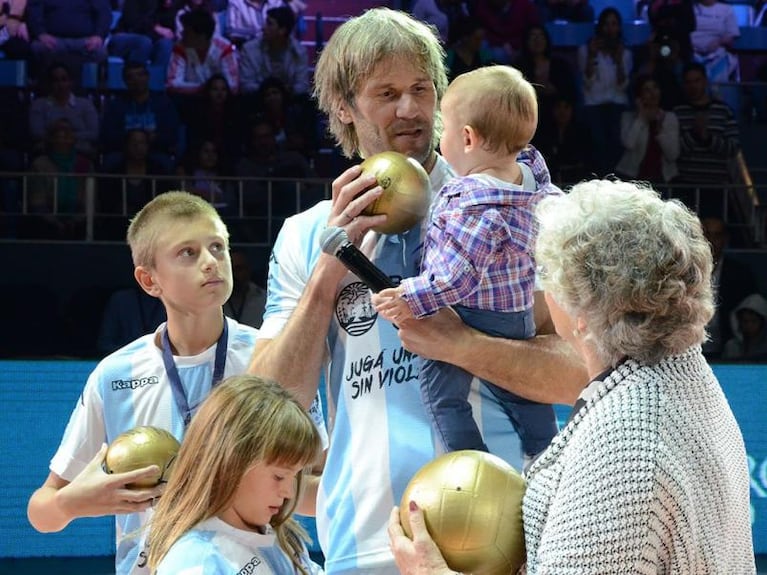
point(175, 380)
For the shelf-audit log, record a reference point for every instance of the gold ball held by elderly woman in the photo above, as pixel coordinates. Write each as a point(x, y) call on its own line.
point(142, 447)
point(472, 505)
point(406, 191)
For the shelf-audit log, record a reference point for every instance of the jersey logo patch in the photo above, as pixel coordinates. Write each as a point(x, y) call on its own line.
point(354, 310)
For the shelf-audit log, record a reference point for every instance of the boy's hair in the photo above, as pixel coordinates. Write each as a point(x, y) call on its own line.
point(499, 104)
point(357, 47)
point(199, 21)
point(153, 218)
point(246, 420)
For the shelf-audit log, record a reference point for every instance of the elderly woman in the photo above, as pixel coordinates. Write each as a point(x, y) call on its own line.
point(649, 474)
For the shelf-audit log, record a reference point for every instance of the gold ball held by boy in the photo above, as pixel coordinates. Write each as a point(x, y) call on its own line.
point(472, 506)
point(141, 447)
point(406, 191)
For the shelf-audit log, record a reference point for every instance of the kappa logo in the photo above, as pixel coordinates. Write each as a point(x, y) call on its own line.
point(354, 310)
point(250, 566)
point(119, 384)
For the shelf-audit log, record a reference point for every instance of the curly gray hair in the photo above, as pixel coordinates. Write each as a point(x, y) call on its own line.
point(636, 268)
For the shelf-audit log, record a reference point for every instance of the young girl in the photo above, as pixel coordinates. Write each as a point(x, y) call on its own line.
point(228, 504)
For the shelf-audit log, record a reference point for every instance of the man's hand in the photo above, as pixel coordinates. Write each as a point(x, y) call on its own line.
point(48, 41)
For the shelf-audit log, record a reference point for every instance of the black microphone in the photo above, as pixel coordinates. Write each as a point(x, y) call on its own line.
point(335, 241)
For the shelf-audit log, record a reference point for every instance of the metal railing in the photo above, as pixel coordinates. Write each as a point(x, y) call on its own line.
point(258, 206)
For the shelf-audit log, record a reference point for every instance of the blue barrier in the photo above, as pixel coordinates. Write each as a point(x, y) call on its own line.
point(38, 396)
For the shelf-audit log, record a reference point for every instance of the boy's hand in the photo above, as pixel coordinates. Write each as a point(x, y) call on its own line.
point(390, 304)
point(94, 493)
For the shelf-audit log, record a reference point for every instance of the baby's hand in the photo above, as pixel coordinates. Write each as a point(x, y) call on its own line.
point(390, 304)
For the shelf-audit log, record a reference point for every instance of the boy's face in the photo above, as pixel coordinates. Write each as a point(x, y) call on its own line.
point(192, 270)
point(394, 110)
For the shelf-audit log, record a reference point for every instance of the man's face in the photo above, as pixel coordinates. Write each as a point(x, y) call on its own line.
point(394, 110)
point(694, 85)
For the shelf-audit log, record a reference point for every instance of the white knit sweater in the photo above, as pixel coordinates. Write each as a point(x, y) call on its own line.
point(649, 477)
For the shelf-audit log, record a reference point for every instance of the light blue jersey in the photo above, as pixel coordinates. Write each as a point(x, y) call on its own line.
point(216, 548)
point(130, 388)
point(380, 433)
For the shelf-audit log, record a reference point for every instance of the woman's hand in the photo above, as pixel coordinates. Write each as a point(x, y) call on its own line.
point(417, 556)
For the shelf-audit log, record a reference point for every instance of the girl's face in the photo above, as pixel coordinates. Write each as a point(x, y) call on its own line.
point(649, 94)
point(611, 27)
point(261, 494)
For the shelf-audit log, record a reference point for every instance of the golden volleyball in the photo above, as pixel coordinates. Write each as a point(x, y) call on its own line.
point(406, 191)
point(472, 505)
point(142, 447)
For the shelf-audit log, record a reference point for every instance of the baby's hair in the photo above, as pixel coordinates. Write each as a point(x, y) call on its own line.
point(246, 420)
point(499, 104)
point(155, 216)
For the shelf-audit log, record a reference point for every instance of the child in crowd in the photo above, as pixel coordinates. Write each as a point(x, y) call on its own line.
point(228, 504)
point(478, 249)
point(180, 249)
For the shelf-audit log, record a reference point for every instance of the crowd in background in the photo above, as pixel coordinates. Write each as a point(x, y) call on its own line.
point(234, 101)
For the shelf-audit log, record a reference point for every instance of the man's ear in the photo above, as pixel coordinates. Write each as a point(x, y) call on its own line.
point(581, 325)
point(145, 279)
point(343, 114)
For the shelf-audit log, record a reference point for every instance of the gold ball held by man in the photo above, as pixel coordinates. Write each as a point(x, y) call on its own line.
point(472, 506)
point(406, 191)
point(141, 447)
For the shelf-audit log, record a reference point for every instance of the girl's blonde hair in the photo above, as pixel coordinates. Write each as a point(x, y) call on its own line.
point(245, 420)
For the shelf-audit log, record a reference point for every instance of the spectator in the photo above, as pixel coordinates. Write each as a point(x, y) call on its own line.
point(673, 19)
point(54, 188)
point(129, 314)
point(605, 64)
point(248, 299)
point(650, 137)
point(128, 194)
point(277, 54)
point(505, 22)
point(265, 159)
point(217, 117)
point(709, 140)
point(732, 281)
point(292, 119)
point(201, 175)
point(62, 103)
point(552, 76)
point(715, 30)
point(71, 31)
point(245, 20)
point(442, 14)
point(142, 34)
point(661, 58)
point(139, 109)
point(560, 140)
point(192, 6)
point(200, 55)
point(14, 35)
point(468, 51)
point(749, 324)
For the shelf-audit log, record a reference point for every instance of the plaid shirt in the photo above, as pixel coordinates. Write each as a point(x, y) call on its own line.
point(478, 250)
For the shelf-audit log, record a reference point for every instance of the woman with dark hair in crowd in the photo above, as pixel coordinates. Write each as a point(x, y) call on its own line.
point(553, 77)
point(216, 117)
